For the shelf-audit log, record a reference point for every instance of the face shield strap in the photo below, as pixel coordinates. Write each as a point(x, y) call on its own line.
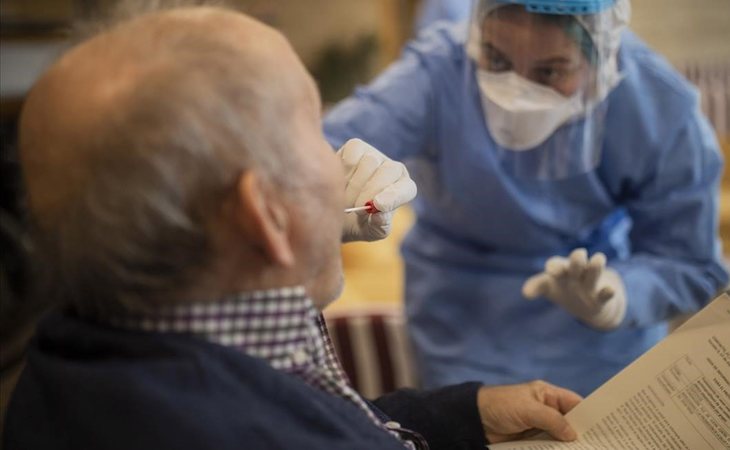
point(583, 39)
point(563, 7)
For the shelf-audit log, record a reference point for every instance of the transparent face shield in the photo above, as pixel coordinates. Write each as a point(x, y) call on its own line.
point(543, 77)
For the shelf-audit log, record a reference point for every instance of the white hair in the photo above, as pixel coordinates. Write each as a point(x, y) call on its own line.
point(162, 163)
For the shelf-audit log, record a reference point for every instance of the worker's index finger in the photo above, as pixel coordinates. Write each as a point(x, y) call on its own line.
point(384, 176)
point(556, 266)
point(594, 269)
point(578, 261)
point(396, 194)
point(356, 183)
point(351, 153)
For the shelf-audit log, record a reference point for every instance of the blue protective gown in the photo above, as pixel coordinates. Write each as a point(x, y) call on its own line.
point(651, 206)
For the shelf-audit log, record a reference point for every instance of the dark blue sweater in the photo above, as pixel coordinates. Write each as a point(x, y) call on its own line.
point(87, 386)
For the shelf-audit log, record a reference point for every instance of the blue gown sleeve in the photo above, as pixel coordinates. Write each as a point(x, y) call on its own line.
point(392, 113)
point(676, 264)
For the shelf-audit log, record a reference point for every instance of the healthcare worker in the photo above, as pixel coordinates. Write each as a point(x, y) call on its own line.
point(568, 191)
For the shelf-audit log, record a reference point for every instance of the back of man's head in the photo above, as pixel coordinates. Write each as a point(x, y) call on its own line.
point(131, 141)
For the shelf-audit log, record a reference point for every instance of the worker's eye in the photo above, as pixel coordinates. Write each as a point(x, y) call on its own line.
point(548, 76)
point(494, 60)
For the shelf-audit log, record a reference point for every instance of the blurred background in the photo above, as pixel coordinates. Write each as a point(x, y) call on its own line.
point(343, 43)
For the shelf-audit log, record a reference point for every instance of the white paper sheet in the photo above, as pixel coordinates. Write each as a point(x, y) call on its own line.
point(674, 397)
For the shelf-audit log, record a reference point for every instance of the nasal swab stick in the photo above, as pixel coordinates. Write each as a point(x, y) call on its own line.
point(368, 208)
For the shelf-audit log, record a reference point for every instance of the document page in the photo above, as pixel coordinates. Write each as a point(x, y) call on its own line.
point(674, 397)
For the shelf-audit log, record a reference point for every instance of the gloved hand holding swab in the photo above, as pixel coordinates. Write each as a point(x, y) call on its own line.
point(372, 179)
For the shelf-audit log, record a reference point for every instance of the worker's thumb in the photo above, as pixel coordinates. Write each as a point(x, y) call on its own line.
point(537, 286)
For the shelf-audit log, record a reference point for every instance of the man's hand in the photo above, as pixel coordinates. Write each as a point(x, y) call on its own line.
point(588, 289)
point(372, 176)
point(513, 412)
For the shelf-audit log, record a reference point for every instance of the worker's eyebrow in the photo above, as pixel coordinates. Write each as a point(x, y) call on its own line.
point(492, 50)
point(555, 60)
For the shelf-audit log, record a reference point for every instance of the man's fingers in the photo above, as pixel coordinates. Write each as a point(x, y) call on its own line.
point(560, 398)
point(594, 269)
point(578, 261)
point(551, 420)
point(554, 402)
point(537, 286)
point(518, 410)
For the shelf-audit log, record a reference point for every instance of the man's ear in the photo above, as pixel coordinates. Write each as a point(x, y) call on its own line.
point(263, 218)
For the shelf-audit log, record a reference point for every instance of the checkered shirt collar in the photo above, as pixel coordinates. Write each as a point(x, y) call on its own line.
point(281, 326)
point(278, 325)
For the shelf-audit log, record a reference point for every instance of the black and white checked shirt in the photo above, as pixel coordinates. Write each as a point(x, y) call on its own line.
point(281, 326)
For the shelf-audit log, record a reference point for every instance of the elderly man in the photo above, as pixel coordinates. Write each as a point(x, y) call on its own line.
point(189, 214)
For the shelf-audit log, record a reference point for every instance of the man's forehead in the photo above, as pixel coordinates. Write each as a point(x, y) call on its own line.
point(148, 42)
point(104, 73)
point(148, 32)
point(194, 17)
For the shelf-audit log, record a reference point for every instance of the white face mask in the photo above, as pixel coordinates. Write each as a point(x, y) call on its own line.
point(521, 114)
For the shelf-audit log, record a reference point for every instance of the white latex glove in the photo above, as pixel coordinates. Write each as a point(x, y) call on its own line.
point(589, 290)
point(372, 176)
